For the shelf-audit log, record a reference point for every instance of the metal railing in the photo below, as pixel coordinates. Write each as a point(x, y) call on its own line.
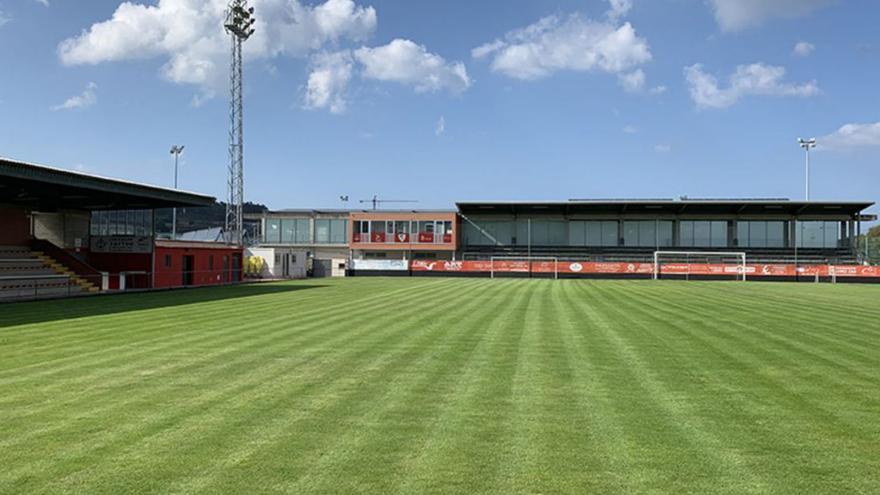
point(25, 287)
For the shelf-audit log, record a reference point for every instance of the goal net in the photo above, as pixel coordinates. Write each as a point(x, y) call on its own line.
point(700, 264)
point(541, 265)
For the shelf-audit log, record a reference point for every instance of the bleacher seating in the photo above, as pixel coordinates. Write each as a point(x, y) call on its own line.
point(27, 274)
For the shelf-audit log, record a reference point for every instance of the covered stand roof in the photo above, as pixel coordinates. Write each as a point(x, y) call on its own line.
point(45, 188)
point(668, 206)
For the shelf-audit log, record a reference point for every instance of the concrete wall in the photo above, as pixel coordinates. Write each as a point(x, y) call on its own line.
point(67, 230)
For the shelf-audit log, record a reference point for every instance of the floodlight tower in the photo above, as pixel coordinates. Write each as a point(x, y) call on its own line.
point(807, 144)
point(176, 151)
point(239, 24)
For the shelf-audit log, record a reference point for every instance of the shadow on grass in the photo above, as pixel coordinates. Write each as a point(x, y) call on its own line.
point(24, 313)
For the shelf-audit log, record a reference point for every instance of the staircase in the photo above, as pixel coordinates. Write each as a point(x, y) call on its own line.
point(28, 274)
point(63, 270)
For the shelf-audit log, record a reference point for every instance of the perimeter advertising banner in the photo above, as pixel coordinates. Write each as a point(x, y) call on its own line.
point(381, 265)
point(647, 269)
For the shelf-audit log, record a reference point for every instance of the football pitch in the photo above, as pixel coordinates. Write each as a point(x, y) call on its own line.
point(380, 385)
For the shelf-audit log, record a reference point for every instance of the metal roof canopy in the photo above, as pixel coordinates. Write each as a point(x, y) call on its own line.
point(669, 207)
point(40, 187)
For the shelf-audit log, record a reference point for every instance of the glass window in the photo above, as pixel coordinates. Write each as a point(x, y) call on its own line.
point(288, 230)
point(757, 234)
point(832, 234)
point(610, 235)
point(448, 226)
point(664, 233)
point(775, 234)
point(338, 231)
point(702, 233)
point(593, 233)
point(401, 227)
point(303, 231)
point(630, 233)
point(577, 235)
point(322, 231)
point(273, 230)
point(377, 226)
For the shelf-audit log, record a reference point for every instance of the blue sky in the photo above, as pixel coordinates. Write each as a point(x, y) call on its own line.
point(454, 100)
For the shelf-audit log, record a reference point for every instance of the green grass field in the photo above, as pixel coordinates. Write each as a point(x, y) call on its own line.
point(445, 386)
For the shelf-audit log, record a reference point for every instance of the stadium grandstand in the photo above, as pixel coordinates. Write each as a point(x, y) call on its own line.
point(71, 233)
point(709, 238)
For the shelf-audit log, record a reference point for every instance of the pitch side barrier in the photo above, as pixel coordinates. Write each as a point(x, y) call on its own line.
point(589, 269)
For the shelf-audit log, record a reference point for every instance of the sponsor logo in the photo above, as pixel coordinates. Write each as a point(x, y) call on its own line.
point(576, 267)
point(630, 268)
point(452, 266)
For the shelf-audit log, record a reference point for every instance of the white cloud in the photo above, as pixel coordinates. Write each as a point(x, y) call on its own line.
point(754, 79)
point(618, 9)
point(44, 3)
point(441, 126)
point(851, 136)
point(803, 49)
point(736, 15)
point(187, 34)
point(83, 100)
point(573, 43)
point(4, 18)
point(408, 63)
point(662, 148)
point(632, 82)
point(630, 129)
point(657, 90)
point(328, 81)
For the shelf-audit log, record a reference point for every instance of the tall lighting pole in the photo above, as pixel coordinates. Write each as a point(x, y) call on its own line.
point(176, 151)
point(807, 145)
point(239, 24)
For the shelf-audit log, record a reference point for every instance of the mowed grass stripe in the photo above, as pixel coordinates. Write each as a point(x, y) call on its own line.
point(451, 454)
point(789, 438)
point(403, 410)
point(838, 331)
point(444, 385)
point(211, 429)
point(101, 330)
point(163, 420)
point(839, 367)
point(644, 364)
point(190, 366)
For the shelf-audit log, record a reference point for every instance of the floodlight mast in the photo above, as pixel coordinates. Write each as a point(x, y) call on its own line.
point(176, 151)
point(239, 24)
point(807, 145)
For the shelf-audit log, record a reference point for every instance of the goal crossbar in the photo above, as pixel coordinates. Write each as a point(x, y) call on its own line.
point(739, 255)
point(527, 259)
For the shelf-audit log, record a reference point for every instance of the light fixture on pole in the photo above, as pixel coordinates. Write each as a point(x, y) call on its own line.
point(240, 26)
point(176, 151)
point(807, 145)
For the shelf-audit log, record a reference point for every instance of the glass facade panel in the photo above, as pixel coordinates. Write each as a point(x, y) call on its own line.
point(288, 230)
point(303, 234)
point(630, 234)
point(610, 236)
point(322, 231)
point(338, 231)
point(121, 222)
point(759, 234)
point(776, 234)
point(273, 230)
point(577, 234)
point(664, 233)
point(702, 233)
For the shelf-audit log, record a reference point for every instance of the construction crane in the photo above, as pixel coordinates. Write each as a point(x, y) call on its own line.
point(376, 201)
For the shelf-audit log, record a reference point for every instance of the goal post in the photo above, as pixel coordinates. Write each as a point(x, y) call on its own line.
point(711, 263)
point(521, 264)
